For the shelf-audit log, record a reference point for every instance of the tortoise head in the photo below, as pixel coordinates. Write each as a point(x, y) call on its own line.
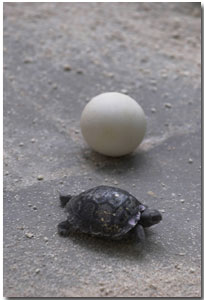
point(150, 217)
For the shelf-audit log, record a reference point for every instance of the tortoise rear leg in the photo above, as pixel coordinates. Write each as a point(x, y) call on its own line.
point(64, 199)
point(64, 228)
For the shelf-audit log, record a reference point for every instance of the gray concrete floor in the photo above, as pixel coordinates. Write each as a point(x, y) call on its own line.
point(56, 58)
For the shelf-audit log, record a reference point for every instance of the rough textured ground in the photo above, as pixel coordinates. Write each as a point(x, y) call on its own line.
point(56, 58)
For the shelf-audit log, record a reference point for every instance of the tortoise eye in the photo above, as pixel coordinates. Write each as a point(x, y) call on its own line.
point(156, 218)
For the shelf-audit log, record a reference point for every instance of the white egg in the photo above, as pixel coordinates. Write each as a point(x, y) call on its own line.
point(113, 124)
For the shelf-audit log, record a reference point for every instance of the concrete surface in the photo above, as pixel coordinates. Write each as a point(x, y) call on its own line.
point(56, 58)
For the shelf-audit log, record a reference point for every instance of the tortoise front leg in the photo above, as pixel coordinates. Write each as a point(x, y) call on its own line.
point(138, 233)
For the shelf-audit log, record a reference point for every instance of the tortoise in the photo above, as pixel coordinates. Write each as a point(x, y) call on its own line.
point(107, 211)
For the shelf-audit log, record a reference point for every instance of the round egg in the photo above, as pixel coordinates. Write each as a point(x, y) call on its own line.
point(113, 124)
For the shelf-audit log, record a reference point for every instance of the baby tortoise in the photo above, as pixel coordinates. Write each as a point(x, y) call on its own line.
point(107, 212)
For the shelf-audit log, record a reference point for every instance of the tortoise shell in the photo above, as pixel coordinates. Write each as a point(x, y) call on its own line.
point(104, 211)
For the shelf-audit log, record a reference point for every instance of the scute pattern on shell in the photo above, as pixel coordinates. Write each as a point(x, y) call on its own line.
point(103, 211)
